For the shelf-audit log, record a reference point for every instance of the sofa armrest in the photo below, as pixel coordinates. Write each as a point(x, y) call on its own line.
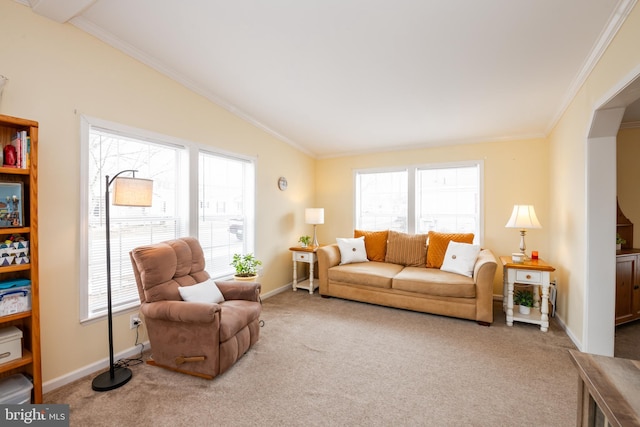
point(483, 273)
point(234, 289)
point(328, 256)
point(180, 311)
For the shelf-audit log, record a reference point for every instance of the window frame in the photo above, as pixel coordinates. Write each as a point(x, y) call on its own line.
point(189, 197)
point(412, 176)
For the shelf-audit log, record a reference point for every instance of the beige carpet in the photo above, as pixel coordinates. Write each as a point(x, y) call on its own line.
point(330, 362)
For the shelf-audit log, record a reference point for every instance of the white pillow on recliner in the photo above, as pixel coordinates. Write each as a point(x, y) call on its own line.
point(202, 292)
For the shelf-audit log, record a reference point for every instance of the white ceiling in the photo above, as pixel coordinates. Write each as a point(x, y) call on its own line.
point(335, 77)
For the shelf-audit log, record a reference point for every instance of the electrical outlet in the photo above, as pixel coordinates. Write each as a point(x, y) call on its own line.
point(134, 321)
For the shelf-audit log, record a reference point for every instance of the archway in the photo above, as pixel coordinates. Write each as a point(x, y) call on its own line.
point(599, 299)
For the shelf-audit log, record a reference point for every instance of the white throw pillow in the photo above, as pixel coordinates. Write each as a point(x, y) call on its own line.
point(352, 250)
point(201, 292)
point(460, 258)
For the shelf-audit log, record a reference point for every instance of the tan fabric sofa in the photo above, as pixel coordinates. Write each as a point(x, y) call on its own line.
point(428, 290)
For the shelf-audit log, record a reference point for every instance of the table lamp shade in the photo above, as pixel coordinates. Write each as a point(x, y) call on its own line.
point(132, 192)
point(523, 217)
point(314, 215)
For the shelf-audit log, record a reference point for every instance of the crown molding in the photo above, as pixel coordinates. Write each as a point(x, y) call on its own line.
point(616, 20)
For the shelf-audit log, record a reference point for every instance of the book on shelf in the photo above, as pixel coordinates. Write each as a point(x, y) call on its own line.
point(18, 155)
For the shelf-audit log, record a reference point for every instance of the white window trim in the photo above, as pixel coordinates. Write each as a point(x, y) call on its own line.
point(193, 151)
point(411, 171)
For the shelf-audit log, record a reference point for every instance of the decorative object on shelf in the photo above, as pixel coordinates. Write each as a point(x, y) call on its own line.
point(523, 217)
point(619, 242)
point(524, 300)
point(126, 192)
point(314, 216)
point(304, 241)
point(282, 183)
point(246, 266)
point(11, 198)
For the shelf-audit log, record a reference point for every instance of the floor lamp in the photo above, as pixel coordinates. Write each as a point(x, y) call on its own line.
point(126, 192)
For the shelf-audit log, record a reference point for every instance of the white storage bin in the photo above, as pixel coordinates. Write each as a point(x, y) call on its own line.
point(15, 389)
point(15, 300)
point(10, 344)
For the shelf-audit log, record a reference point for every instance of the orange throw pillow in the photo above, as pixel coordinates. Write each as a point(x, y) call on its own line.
point(375, 243)
point(438, 243)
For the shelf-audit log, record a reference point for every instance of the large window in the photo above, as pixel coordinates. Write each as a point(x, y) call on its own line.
point(445, 198)
point(225, 215)
point(220, 199)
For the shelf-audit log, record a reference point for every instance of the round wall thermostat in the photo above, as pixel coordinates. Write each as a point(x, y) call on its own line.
point(282, 183)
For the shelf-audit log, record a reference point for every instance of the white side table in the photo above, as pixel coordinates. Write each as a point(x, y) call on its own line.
point(308, 255)
point(534, 272)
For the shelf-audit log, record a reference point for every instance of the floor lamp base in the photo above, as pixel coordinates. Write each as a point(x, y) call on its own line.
point(104, 382)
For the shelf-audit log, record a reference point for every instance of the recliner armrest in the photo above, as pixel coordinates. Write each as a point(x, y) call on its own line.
point(180, 311)
point(234, 289)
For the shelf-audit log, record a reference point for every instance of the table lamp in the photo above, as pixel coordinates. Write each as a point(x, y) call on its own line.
point(314, 216)
point(523, 217)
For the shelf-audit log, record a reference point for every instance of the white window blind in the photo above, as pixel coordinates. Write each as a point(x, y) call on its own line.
point(110, 152)
point(448, 199)
point(382, 200)
point(225, 216)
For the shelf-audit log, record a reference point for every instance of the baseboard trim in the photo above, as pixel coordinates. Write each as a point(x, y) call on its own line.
point(91, 369)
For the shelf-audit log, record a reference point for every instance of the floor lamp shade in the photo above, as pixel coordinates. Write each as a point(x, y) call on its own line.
point(126, 192)
point(132, 192)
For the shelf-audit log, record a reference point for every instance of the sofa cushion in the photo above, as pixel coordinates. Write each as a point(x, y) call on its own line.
point(406, 249)
point(375, 242)
point(375, 274)
point(432, 281)
point(438, 243)
point(460, 258)
point(351, 250)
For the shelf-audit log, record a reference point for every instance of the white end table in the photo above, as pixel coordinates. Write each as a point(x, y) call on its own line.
point(534, 272)
point(308, 255)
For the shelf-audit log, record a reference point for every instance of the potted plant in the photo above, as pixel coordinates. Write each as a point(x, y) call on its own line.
point(304, 241)
point(246, 266)
point(524, 300)
point(619, 242)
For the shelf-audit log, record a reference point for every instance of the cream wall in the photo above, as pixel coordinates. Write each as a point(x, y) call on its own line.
point(515, 172)
point(568, 160)
point(56, 73)
point(628, 159)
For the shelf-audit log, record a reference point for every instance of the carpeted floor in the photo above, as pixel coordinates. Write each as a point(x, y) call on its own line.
point(330, 362)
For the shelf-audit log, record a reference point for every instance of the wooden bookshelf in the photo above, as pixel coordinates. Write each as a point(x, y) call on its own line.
point(28, 321)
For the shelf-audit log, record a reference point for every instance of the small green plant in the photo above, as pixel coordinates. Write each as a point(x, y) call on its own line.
point(620, 240)
point(305, 240)
point(245, 265)
point(523, 298)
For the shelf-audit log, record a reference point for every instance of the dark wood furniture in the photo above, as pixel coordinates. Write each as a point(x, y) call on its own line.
point(607, 390)
point(627, 285)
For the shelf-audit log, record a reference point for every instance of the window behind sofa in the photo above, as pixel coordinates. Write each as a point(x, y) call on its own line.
point(418, 199)
point(196, 191)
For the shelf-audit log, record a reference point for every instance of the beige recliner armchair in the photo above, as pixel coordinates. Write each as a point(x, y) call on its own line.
point(198, 338)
